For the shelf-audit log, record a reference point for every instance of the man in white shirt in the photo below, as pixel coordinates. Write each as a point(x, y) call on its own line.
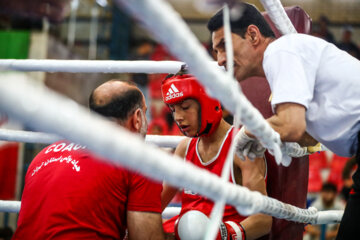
point(315, 89)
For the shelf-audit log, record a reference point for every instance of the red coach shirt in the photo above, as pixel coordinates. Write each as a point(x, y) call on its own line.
point(68, 194)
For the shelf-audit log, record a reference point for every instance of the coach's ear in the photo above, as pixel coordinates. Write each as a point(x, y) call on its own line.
point(254, 34)
point(136, 120)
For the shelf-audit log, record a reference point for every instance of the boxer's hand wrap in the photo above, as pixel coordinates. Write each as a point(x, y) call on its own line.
point(247, 146)
point(231, 231)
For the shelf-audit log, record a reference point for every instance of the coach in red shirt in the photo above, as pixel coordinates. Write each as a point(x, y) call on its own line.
point(69, 194)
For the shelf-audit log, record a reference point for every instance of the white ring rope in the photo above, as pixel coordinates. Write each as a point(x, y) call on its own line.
point(278, 16)
point(91, 66)
point(164, 141)
point(167, 26)
point(27, 136)
point(10, 206)
point(46, 138)
point(48, 111)
point(324, 217)
point(14, 207)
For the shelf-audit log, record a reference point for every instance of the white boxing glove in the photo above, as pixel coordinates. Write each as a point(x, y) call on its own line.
point(247, 146)
point(191, 226)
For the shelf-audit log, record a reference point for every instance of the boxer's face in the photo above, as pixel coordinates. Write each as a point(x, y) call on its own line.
point(186, 115)
point(243, 53)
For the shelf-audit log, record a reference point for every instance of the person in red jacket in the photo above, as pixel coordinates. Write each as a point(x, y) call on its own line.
point(200, 117)
point(71, 194)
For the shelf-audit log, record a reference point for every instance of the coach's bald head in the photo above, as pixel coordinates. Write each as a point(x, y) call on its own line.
point(122, 101)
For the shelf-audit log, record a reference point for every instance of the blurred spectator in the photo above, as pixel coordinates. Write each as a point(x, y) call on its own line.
point(326, 201)
point(337, 165)
point(6, 233)
point(144, 48)
point(347, 173)
point(323, 31)
point(347, 44)
point(160, 54)
point(319, 159)
point(54, 10)
point(315, 181)
point(160, 111)
point(158, 126)
point(157, 106)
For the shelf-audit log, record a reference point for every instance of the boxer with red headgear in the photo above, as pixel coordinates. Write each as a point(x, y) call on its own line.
point(210, 109)
point(199, 117)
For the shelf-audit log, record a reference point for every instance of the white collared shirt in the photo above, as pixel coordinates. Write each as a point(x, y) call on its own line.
point(325, 80)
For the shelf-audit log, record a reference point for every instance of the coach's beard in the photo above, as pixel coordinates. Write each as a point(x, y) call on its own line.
point(144, 125)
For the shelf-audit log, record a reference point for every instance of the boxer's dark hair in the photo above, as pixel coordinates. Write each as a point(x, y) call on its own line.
point(121, 106)
point(250, 16)
point(183, 70)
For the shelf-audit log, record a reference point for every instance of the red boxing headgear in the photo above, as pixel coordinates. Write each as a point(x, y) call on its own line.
point(180, 87)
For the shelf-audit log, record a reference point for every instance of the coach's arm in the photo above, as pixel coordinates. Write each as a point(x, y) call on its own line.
point(289, 121)
point(144, 225)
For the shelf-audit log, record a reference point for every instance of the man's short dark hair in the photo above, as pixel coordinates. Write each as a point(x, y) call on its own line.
point(329, 187)
point(250, 15)
point(121, 106)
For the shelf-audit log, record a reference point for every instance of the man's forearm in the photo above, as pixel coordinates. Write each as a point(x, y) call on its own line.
point(289, 121)
point(287, 133)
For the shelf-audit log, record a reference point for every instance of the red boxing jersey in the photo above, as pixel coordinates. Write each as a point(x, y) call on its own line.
point(70, 194)
point(193, 201)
